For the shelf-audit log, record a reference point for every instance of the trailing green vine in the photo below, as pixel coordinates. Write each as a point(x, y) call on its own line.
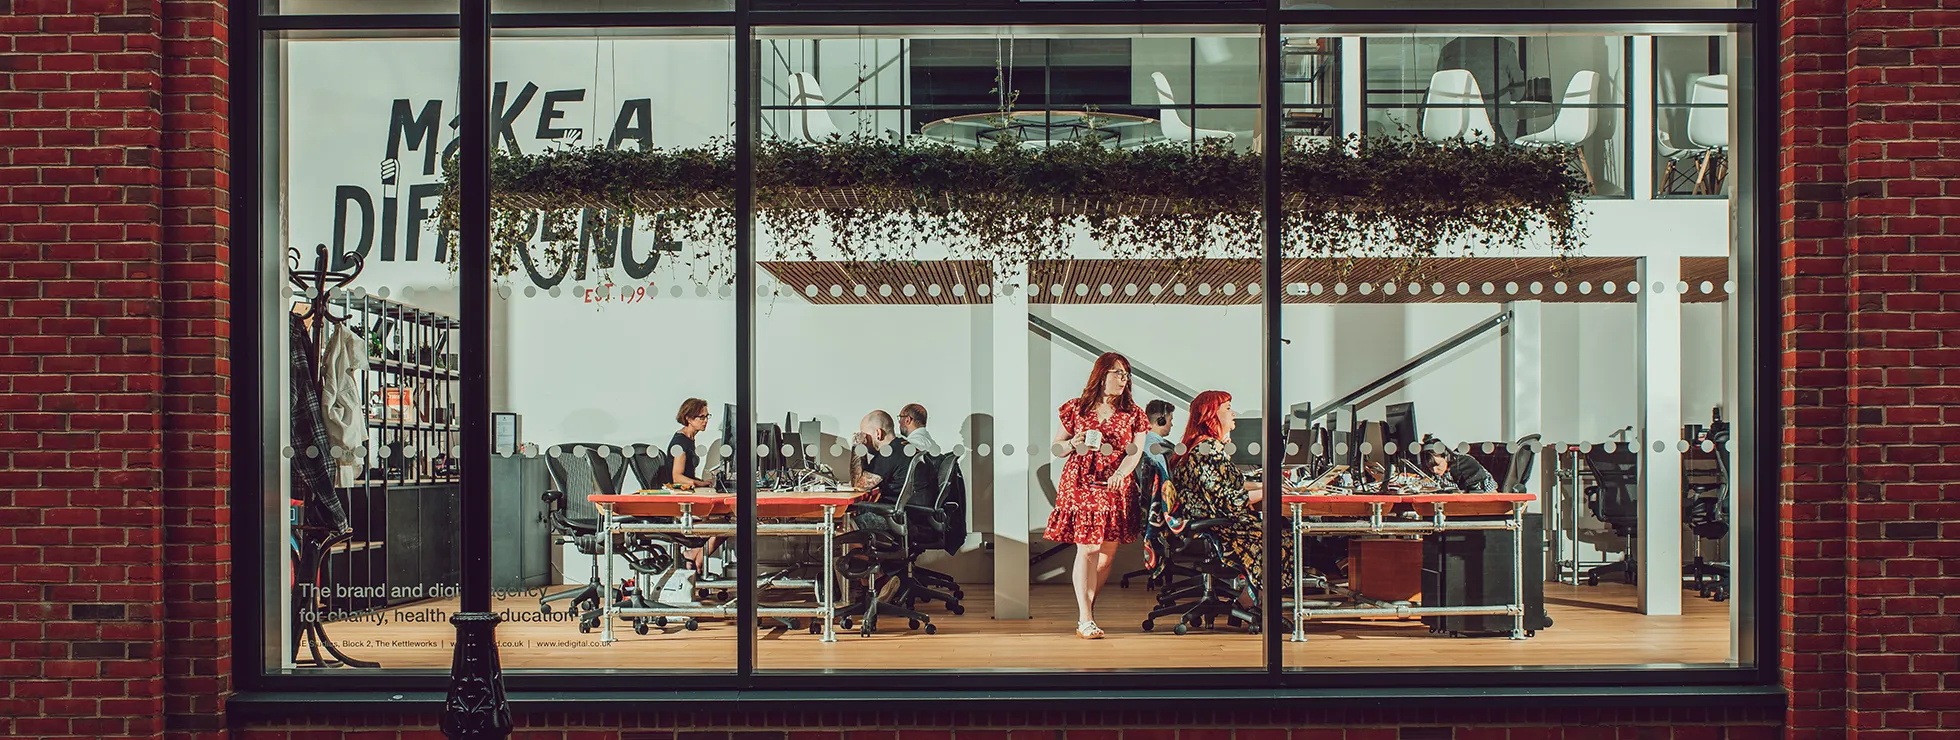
point(864, 198)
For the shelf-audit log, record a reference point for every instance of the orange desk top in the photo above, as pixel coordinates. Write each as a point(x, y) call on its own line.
point(1362, 504)
point(772, 504)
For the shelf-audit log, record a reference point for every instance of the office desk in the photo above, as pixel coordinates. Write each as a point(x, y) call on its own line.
point(812, 512)
point(1369, 514)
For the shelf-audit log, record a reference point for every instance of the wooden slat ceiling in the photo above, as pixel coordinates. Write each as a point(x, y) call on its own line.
point(931, 282)
point(1224, 282)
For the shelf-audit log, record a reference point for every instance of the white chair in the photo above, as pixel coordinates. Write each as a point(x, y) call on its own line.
point(1174, 127)
point(1577, 120)
point(812, 114)
point(1707, 136)
point(1454, 108)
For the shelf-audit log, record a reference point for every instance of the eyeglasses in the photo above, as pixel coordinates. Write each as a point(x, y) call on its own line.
point(1120, 374)
point(700, 416)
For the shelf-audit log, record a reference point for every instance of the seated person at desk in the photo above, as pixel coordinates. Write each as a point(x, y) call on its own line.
point(912, 424)
point(882, 464)
point(693, 418)
point(1460, 473)
point(1209, 486)
point(1156, 444)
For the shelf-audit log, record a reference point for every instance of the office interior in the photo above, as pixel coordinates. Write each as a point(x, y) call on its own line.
point(1602, 383)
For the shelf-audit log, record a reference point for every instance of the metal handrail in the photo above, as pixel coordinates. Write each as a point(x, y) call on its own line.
point(1312, 412)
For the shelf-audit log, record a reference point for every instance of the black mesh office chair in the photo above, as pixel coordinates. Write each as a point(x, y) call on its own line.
point(1612, 499)
point(1706, 512)
point(941, 526)
point(580, 469)
point(1517, 475)
point(1212, 587)
point(883, 540)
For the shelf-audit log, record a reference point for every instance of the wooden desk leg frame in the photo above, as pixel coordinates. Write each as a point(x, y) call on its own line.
point(824, 588)
point(1377, 524)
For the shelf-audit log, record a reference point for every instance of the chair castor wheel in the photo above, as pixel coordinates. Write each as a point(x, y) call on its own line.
point(816, 626)
point(911, 624)
point(691, 624)
point(640, 625)
point(584, 628)
point(956, 609)
point(958, 594)
point(1252, 629)
point(1149, 624)
point(544, 608)
point(844, 623)
point(932, 629)
point(1125, 583)
point(1180, 629)
point(659, 621)
point(1234, 622)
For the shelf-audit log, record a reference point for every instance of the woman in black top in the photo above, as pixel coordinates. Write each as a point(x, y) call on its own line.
point(693, 418)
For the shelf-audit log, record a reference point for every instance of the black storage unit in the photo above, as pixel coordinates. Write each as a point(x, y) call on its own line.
point(522, 556)
point(1473, 568)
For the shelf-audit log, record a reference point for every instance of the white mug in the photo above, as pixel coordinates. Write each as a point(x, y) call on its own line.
point(1093, 438)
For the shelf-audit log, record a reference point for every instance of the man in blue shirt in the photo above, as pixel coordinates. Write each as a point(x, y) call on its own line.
point(1157, 442)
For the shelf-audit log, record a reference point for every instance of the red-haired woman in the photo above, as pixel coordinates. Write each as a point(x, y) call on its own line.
point(1209, 486)
point(1094, 509)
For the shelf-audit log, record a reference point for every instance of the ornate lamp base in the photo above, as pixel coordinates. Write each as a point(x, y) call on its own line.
point(477, 708)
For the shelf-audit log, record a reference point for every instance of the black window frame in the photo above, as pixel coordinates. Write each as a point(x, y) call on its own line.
point(264, 690)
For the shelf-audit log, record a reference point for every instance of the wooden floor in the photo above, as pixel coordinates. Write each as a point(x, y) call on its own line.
point(1593, 626)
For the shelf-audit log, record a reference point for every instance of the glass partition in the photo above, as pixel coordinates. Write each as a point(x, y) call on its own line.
point(1691, 116)
point(1538, 89)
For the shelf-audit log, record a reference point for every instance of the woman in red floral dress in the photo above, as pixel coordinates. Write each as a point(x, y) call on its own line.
point(1103, 430)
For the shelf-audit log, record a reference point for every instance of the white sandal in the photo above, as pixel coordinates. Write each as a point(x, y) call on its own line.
point(1088, 631)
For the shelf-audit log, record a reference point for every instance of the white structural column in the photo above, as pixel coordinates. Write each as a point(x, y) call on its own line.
point(1660, 424)
point(1013, 475)
point(1353, 118)
point(1523, 379)
point(1640, 182)
point(1524, 370)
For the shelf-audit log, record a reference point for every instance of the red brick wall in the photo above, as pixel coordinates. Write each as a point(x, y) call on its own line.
point(1871, 281)
point(113, 401)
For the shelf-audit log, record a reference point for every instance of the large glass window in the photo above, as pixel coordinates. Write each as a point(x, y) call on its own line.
point(996, 331)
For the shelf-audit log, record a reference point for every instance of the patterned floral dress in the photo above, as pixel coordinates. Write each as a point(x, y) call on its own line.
point(1087, 512)
point(1209, 486)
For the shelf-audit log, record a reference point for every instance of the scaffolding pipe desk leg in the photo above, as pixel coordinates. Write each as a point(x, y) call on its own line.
point(827, 591)
point(1517, 571)
point(606, 605)
point(1299, 576)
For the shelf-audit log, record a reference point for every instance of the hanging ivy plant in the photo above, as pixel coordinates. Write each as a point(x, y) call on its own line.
point(874, 199)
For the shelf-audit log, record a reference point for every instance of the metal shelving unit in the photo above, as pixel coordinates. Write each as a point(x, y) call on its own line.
point(404, 499)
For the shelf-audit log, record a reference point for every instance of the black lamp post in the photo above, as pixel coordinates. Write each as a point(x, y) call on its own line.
point(476, 707)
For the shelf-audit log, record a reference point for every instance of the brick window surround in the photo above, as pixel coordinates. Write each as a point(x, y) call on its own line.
point(115, 406)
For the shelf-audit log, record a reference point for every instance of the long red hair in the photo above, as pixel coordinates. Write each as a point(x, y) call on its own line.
point(1092, 391)
point(1203, 421)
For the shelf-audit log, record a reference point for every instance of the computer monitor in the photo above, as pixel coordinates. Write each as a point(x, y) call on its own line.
point(810, 432)
point(769, 448)
point(728, 427)
point(1402, 430)
point(1245, 439)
